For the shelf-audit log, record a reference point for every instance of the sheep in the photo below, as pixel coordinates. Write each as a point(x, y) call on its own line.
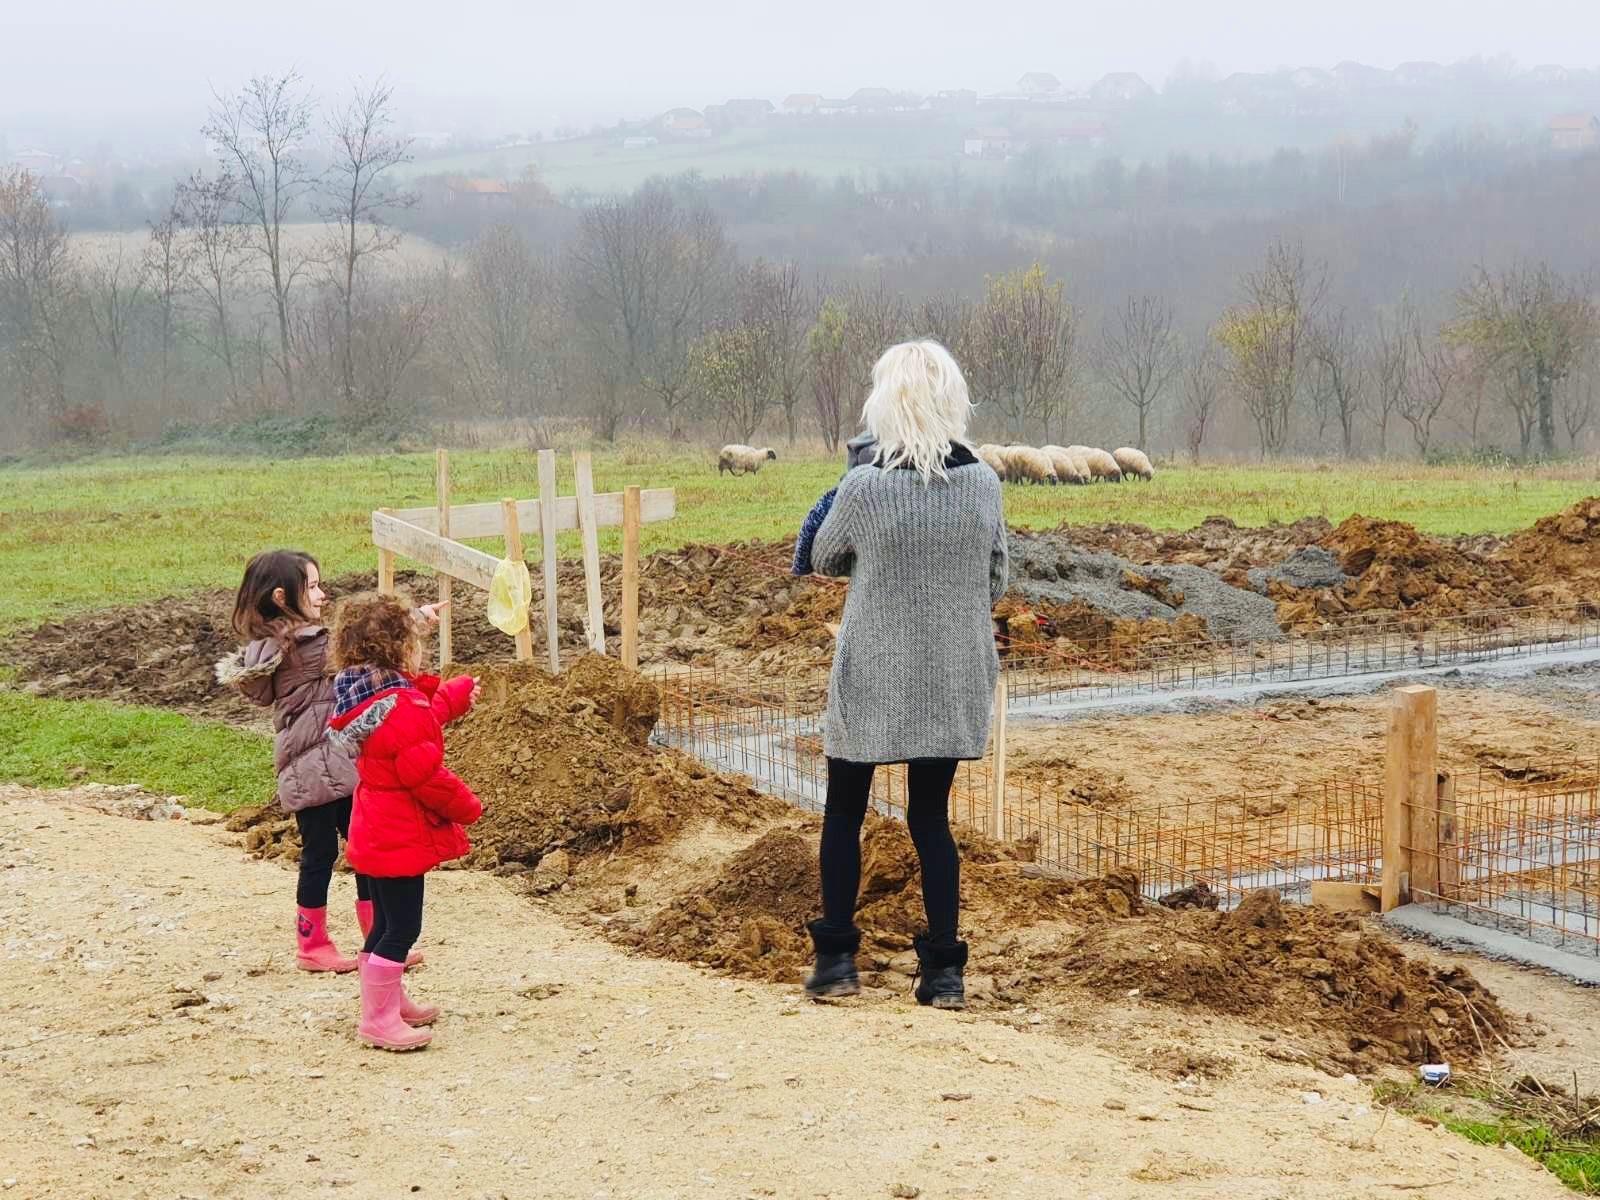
point(743, 460)
point(1134, 462)
point(1101, 465)
point(1025, 464)
point(995, 457)
point(1069, 467)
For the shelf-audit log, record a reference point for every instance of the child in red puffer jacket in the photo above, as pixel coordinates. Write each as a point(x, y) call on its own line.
point(409, 807)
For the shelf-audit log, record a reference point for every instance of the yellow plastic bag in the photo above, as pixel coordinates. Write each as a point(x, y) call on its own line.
point(510, 594)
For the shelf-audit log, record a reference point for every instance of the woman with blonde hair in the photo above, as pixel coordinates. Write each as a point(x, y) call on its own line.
point(919, 531)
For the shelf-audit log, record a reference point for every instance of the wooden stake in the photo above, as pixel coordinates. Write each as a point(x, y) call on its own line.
point(1449, 863)
point(547, 534)
point(514, 553)
point(630, 578)
point(583, 471)
point(997, 801)
point(1410, 783)
point(446, 584)
point(386, 566)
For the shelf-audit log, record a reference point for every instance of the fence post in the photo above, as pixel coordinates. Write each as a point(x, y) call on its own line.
point(442, 482)
point(547, 534)
point(583, 472)
point(630, 577)
point(1449, 863)
point(514, 552)
point(386, 564)
point(1410, 786)
point(997, 801)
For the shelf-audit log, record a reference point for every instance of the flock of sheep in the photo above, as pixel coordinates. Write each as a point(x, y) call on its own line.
point(1014, 464)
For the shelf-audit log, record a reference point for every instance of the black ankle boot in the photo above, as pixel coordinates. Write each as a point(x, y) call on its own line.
point(939, 973)
point(835, 970)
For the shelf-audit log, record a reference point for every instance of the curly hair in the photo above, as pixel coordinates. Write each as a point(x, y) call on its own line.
point(377, 630)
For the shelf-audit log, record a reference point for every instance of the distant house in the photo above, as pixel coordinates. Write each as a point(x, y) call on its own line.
point(640, 141)
point(1039, 84)
point(738, 114)
point(684, 123)
point(480, 195)
point(802, 103)
point(35, 162)
point(990, 143)
point(1120, 87)
point(1575, 131)
point(872, 99)
point(1084, 131)
point(1549, 73)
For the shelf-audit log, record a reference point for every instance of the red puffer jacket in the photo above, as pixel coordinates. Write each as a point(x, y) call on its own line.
point(409, 807)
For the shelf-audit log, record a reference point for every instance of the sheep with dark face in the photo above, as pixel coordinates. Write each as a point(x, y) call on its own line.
point(1134, 463)
point(994, 456)
point(1024, 464)
point(1070, 468)
point(743, 460)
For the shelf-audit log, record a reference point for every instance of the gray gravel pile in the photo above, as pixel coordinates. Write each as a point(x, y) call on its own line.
point(1307, 567)
point(1047, 567)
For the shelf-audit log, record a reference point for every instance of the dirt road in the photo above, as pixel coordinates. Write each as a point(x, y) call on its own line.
point(156, 1042)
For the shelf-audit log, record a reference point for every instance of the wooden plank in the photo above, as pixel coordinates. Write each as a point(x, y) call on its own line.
point(446, 584)
point(485, 520)
point(452, 558)
point(583, 472)
point(385, 566)
point(1343, 897)
point(547, 535)
point(1410, 770)
point(997, 798)
point(513, 533)
point(630, 578)
point(1449, 860)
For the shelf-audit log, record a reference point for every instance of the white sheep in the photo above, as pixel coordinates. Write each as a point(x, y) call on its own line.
point(1134, 462)
point(743, 460)
point(1069, 467)
point(1101, 465)
point(995, 457)
point(1025, 464)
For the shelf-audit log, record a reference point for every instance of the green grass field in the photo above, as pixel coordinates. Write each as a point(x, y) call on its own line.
point(133, 529)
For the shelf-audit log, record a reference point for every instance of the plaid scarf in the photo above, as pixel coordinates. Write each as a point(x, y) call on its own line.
point(354, 686)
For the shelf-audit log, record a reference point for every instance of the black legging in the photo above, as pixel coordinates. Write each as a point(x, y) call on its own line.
point(320, 830)
point(396, 916)
point(928, 818)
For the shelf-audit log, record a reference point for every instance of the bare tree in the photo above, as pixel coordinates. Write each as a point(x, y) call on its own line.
point(115, 290)
point(259, 134)
point(1578, 395)
point(1534, 325)
point(828, 347)
point(1139, 355)
point(166, 265)
point(208, 209)
point(729, 368)
point(359, 202)
point(1201, 382)
point(1339, 379)
point(774, 300)
point(647, 275)
point(1268, 337)
point(1428, 384)
point(36, 292)
point(1391, 367)
point(1024, 340)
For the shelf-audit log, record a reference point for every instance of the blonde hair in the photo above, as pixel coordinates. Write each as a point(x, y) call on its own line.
point(917, 408)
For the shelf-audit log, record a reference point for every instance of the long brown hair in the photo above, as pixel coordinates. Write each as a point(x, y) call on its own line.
point(255, 613)
point(376, 630)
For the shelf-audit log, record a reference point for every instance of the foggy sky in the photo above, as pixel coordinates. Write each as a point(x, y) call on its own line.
point(494, 65)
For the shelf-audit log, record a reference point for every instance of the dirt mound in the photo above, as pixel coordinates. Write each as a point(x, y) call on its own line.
point(1081, 633)
point(563, 763)
point(1558, 559)
point(1295, 967)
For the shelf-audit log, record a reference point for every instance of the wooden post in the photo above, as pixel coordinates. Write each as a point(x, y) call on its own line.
point(583, 472)
point(630, 577)
point(997, 801)
point(547, 534)
point(386, 565)
point(442, 480)
point(514, 553)
point(1449, 863)
point(1410, 784)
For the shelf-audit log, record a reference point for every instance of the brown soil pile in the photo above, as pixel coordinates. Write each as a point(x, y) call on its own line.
point(1080, 633)
point(562, 763)
point(751, 918)
point(1296, 967)
point(1558, 560)
point(1218, 543)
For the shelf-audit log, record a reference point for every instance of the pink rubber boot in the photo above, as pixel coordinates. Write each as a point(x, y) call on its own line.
point(314, 951)
point(381, 1024)
point(411, 1012)
point(364, 919)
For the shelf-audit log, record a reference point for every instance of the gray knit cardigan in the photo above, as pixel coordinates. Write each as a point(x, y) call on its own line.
point(915, 665)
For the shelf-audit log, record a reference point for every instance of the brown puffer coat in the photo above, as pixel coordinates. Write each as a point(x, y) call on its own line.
point(290, 674)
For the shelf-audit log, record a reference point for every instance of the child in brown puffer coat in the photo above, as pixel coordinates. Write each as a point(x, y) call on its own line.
point(285, 666)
